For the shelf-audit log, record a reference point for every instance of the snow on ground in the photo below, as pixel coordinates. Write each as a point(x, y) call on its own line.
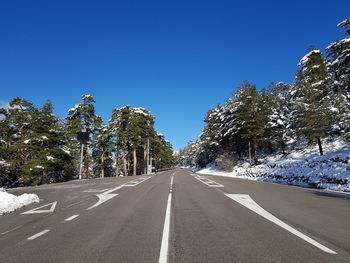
point(10, 202)
point(303, 168)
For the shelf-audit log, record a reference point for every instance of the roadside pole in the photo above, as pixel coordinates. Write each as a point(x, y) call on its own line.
point(148, 159)
point(81, 160)
point(83, 137)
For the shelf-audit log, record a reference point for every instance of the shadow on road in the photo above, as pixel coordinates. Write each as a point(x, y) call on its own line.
point(334, 195)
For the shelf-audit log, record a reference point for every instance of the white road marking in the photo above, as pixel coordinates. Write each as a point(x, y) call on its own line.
point(39, 234)
point(71, 218)
point(163, 256)
point(37, 211)
point(13, 229)
point(102, 198)
point(207, 181)
point(105, 196)
point(249, 203)
point(95, 190)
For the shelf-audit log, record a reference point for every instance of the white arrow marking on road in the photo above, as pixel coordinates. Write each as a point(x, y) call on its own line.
point(249, 203)
point(37, 211)
point(106, 195)
point(102, 198)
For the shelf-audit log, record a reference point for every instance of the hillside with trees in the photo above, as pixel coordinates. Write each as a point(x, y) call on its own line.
point(37, 147)
point(255, 124)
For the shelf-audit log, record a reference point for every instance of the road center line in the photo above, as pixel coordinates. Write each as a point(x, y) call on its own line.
point(71, 218)
point(39, 234)
point(163, 256)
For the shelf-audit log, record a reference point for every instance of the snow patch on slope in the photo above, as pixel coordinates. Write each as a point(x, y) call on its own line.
point(303, 168)
point(10, 202)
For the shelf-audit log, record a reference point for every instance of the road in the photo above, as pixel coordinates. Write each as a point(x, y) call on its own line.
point(177, 216)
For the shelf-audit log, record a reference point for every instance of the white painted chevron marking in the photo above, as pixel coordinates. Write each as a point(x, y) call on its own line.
point(105, 196)
point(249, 203)
point(37, 211)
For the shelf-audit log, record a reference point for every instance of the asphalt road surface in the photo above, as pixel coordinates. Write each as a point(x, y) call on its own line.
point(176, 216)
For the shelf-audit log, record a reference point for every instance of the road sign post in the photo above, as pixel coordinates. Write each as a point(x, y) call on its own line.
point(83, 137)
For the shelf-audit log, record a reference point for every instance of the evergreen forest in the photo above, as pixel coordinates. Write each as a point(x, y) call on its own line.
point(259, 122)
point(37, 147)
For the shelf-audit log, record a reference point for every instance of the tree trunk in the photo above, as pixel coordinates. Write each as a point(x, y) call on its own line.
point(283, 147)
point(125, 165)
point(270, 147)
point(116, 164)
point(128, 163)
point(135, 161)
point(145, 159)
point(255, 158)
point(320, 145)
point(85, 152)
point(102, 172)
point(86, 162)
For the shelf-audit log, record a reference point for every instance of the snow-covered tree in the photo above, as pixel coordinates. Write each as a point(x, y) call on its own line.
point(311, 98)
point(338, 62)
point(131, 128)
point(82, 117)
point(32, 147)
point(279, 128)
point(252, 117)
point(102, 148)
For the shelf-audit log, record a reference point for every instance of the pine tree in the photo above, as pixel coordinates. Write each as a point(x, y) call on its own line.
point(310, 97)
point(48, 160)
point(10, 174)
point(211, 136)
point(338, 62)
point(251, 117)
point(140, 128)
point(119, 125)
point(278, 127)
point(102, 147)
point(19, 116)
point(162, 152)
point(81, 118)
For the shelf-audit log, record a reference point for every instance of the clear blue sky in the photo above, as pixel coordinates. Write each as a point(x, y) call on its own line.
point(176, 58)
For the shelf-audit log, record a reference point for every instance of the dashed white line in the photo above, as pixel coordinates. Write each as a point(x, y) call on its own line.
point(39, 234)
point(71, 218)
point(13, 229)
point(163, 256)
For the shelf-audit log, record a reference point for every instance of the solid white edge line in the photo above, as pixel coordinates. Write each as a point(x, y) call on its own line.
point(249, 203)
point(71, 218)
point(163, 255)
point(38, 234)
